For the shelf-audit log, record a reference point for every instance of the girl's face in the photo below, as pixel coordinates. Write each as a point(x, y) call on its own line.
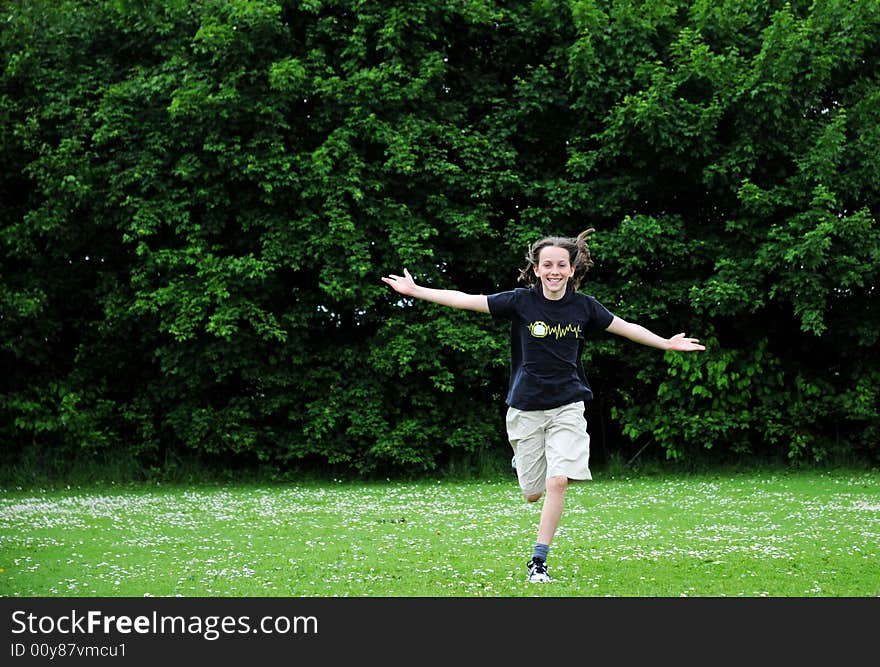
point(554, 269)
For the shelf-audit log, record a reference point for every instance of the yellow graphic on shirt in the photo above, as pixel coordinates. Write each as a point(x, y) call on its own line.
point(542, 330)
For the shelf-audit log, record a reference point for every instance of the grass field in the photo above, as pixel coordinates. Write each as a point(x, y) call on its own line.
point(732, 534)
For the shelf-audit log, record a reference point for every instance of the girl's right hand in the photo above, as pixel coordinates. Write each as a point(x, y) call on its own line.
point(403, 284)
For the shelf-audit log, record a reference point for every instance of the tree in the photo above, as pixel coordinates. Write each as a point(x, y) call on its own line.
point(200, 198)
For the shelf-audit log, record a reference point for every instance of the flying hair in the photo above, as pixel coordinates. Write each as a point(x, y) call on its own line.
point(578, 253)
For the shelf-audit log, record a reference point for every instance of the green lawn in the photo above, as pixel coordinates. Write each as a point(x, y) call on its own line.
point(739, 534)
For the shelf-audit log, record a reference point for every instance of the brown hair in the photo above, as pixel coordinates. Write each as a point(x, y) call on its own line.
point(578, 254)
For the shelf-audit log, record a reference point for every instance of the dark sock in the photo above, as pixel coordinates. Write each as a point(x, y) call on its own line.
point(540, 551)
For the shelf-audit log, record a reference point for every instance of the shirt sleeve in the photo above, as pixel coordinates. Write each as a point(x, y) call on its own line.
point(502, 306)
point(598, 316)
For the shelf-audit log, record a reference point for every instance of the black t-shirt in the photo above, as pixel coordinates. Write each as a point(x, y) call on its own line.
point(546, 342)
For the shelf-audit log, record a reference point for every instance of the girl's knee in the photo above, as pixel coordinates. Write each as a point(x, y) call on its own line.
point(533, 497)
point(557, 484)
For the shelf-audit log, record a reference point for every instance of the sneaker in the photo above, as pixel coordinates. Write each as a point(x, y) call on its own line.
point(538, 571)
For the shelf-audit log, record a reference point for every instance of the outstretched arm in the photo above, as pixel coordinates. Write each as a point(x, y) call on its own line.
point(445, 297)
point(639, 334)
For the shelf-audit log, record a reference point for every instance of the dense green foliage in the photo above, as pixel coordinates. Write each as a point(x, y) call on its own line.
point(198, 199)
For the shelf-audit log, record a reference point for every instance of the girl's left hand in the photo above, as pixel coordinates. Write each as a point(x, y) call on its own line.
point(679, 343)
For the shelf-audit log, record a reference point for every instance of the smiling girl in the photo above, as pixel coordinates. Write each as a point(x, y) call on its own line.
point(549, 324)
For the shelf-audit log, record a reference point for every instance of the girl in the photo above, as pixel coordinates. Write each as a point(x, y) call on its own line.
point(549, 322)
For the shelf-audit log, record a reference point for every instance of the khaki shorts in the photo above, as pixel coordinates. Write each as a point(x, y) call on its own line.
point(547, 443)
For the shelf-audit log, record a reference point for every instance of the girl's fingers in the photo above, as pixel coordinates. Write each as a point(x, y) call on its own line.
point(393, 278)
point(687, 343)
